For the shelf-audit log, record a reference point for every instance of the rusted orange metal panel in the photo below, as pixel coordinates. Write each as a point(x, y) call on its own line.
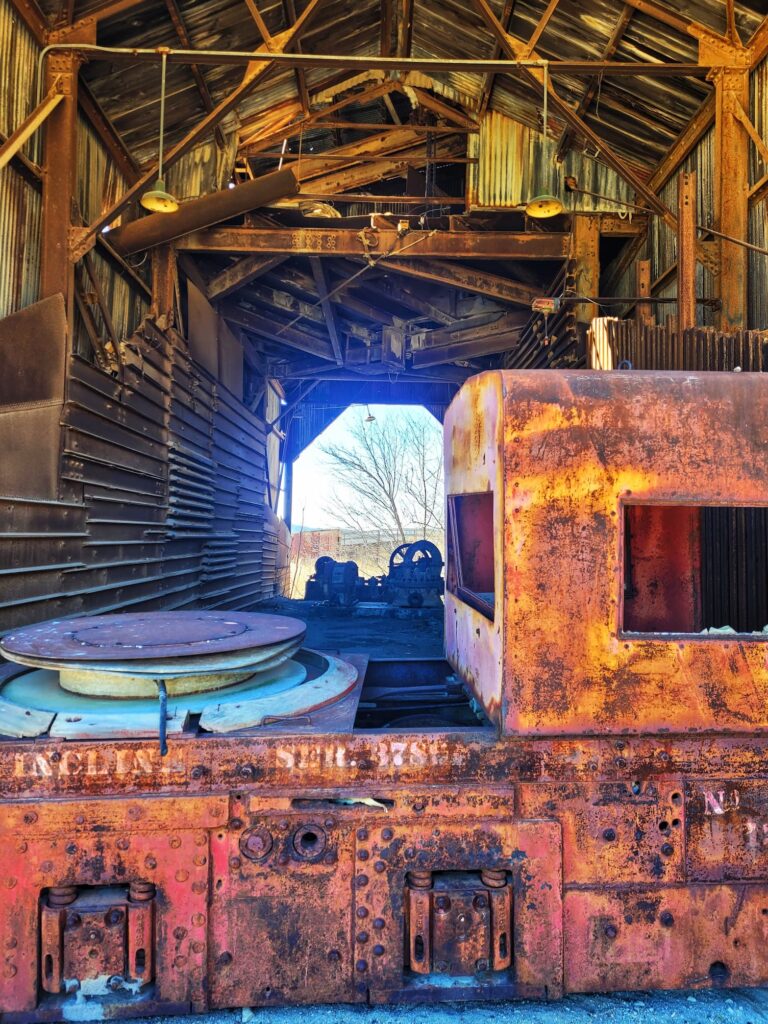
point(605, 830)
point(577, 449)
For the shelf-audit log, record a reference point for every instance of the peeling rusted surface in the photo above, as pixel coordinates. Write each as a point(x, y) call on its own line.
point(608, 830)
point(577, 449)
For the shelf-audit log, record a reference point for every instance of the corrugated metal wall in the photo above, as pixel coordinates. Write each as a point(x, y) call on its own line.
point(99, 185)
point(516, 163)
point(662, 245)
point(162, 497)
point(20, 206)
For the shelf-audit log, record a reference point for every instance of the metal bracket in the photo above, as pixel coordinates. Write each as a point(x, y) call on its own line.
point(80, 243)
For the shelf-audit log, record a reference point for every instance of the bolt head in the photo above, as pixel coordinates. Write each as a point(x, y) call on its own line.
point(611, 931)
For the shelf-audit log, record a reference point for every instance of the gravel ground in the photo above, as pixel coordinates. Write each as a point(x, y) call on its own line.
point(733, 1006)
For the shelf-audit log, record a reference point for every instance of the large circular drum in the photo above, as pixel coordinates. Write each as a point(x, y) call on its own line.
point(124, 655)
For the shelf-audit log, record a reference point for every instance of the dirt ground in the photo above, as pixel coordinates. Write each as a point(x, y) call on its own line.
point(382, 637)
point(736, 1006)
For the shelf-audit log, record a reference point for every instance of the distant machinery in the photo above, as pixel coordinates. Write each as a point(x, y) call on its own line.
point(414, 579)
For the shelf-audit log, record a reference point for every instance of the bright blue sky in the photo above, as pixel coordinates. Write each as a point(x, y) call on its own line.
point(312, 480)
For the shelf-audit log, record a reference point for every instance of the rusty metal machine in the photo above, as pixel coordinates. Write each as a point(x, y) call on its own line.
point(576, 800)
point(414, 579)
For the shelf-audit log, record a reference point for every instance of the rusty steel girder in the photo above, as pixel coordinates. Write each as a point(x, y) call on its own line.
point(602, 826)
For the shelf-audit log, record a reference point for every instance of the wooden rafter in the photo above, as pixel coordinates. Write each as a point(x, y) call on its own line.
point(541, 27)
point(385, 28)
point(250, 80)
point(444, 110)
point(252, 146)
point(535, 76)
point(330, 319)
point(291, 336)
point(457, 276)
point(490, 78)
point(31, 124)
point(590, 92)
point(404, 20)
point(704, 117)
point(289, 9)
point(678, 22)
point(113, 142)
point(202, 86)
point(241, 273)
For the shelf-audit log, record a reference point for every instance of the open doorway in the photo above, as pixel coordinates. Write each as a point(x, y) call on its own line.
point(368, 530)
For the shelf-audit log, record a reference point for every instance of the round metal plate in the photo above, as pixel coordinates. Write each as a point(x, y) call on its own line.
point(150, 636)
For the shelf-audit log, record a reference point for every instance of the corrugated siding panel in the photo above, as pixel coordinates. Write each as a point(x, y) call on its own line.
point(162, 476)
point(758, 268)
point(99, 185)
point(20, 207)
point(516, 163)
point(759, 116)
point(206, 168)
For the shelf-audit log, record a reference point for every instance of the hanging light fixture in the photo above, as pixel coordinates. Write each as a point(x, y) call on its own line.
point(370, 418)
point(157, 200)
point(546, 205)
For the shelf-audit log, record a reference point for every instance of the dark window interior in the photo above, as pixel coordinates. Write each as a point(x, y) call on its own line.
point(691, 568)
point(470, 568)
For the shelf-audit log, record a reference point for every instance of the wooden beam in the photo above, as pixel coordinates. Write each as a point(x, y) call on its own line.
point(289, 9)
point(468, 278)
point(241, 273)
point(678, 22)
point(536, 77)
point(31, 172)
point(541, 27)
point(685, 143)
point(273, 331)
point(436, 106)
point(450, 245)
point(253, 145)
point(385, 28)
point(490, 78)
point(30, 124)
point(261, 25)
point(330, 318)
point(404, 16)
point(202, 86)
point(590, 92)
point(251, 78)
point(364, 174)
point(113, 143)
point(459, 341)
point(107, 10)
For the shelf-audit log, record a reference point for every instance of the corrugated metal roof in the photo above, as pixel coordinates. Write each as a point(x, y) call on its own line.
point(639, 117)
